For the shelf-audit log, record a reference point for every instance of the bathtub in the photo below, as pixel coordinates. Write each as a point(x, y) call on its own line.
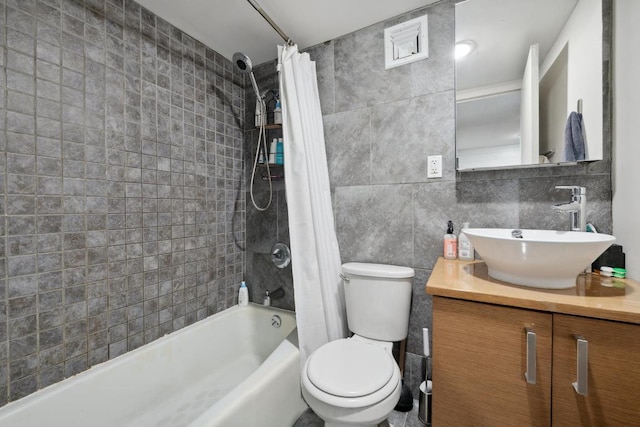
point(231, 369)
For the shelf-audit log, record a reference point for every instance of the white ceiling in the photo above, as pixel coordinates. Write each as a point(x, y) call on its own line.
point(229, 26)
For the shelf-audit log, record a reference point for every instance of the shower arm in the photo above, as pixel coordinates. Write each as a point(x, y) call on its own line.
point(266, 17)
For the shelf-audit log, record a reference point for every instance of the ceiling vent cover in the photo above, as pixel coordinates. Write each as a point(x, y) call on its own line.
point(406, 42)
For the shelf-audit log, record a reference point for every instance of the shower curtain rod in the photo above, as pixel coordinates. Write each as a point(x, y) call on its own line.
point(266, 17)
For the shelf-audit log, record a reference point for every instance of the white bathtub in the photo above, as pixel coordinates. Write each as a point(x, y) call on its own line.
point(231, 369)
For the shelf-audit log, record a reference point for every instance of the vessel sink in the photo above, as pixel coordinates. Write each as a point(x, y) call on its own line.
point(539, 258)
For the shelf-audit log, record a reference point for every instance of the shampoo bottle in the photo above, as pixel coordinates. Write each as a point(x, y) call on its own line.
point(450, 243)
point(277, 113)
point(243, 294)
point(262, 156)
point(272, 151)
point(279, 152)
point(465, 248)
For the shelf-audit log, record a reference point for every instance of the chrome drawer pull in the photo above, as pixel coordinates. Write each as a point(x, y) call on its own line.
point(530, 374)
point(582, 369)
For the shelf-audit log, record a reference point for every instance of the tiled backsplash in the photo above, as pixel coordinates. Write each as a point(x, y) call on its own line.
point(122, 177)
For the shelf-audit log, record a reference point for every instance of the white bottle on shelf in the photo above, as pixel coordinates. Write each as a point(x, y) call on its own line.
point(277, 113)
point(465, 247)
point(243, 294)
point(272, 151)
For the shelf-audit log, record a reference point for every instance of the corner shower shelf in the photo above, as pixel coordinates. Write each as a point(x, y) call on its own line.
point(271, 126)
point(273, 177)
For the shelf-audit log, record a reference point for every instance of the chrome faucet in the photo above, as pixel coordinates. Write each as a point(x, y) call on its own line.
point(576, 208)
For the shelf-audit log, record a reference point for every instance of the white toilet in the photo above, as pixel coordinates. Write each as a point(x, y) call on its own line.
point(356, 381)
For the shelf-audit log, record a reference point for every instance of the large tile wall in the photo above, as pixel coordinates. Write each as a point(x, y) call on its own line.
point(122, 185)
point(380, 126)
point(270, 226)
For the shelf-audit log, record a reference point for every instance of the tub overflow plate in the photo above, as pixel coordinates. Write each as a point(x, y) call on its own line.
point(276, 321)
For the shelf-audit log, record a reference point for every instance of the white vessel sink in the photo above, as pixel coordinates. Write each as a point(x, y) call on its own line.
point(541, 258)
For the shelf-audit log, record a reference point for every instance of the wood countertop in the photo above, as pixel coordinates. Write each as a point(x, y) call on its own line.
point(593, 296)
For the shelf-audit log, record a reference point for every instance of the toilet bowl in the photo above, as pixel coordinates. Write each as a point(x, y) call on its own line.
point(356, 381)
point(352, 382)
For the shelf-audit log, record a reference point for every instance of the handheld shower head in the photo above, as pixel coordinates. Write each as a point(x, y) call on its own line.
point(243, 65)
point(242, 62)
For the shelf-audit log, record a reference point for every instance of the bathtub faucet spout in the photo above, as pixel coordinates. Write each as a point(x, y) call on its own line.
point(275, 294)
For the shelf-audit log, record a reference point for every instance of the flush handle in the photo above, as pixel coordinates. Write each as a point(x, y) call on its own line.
point(530, 374)
point(582, 369)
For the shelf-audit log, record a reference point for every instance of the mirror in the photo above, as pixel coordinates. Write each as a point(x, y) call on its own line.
point(530, 90)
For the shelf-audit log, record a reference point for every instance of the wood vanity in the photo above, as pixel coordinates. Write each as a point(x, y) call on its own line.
point(506, 355)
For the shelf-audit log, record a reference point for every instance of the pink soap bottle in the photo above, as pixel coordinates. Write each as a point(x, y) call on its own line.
point(450, 243)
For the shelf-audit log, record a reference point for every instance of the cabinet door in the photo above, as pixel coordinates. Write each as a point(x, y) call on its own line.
point(479, 365)
point(613, 372)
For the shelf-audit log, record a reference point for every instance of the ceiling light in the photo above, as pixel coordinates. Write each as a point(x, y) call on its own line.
point(464, 48)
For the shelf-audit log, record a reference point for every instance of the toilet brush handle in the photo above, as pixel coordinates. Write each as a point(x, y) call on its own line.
point(427, 353)
point(426, 368)
point(425, 342)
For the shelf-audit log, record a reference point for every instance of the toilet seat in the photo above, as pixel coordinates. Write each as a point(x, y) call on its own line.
point(349, 373)
point(349, 368)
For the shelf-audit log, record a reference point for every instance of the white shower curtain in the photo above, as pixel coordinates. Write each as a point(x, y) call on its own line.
point(315, 258)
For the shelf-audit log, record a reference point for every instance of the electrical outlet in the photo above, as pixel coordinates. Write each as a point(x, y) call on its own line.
point(434, 166)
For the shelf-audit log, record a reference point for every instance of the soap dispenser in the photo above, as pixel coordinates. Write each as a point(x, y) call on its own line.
point(450, 243)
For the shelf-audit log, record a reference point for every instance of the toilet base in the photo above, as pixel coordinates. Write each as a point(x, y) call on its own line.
point(384, 423)
point(370, 416)
point(326, 424)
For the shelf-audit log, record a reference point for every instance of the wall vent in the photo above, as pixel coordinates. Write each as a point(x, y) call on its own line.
point(406, 42)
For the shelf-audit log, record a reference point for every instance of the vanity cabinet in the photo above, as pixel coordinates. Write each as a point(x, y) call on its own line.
point(479, 362)
point(480, 368)
point(613, 382)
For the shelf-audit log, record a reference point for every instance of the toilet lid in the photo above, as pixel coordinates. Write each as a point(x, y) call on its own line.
point(349, 368)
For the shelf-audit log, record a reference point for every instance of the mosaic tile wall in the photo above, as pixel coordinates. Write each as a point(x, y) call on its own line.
point(122, 185)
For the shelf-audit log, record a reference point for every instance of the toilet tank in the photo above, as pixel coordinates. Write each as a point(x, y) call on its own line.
point(378, 298)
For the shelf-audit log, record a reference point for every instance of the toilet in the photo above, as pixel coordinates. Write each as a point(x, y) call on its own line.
point(356, 381)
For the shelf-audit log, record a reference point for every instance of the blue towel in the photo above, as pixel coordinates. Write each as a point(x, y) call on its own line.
point(573, 139)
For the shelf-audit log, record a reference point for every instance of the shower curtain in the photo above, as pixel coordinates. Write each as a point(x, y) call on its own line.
point(319, 297)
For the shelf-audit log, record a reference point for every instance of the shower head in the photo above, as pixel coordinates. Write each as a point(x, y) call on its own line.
point(243, 65)
point(242, 62)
